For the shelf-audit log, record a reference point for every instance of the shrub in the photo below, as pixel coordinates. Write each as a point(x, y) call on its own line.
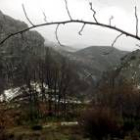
point(3, 122)
point(37, 127)
point(100, 122)
point(128, 125)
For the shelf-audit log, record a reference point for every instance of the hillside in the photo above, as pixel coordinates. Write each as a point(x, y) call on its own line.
point(23, 50)
point(25, 62)
point(59, 48)
point(17, 52)
point(129, 69)
point(91, 62)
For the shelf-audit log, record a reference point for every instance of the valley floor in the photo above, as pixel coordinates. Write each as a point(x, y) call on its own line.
point(50, 133)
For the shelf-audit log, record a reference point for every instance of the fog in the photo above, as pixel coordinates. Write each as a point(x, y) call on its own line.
point(121, 11)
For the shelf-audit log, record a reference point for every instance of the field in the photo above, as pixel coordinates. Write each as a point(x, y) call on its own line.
point(51, 133)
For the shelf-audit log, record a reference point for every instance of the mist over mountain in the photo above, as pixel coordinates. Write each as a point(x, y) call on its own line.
point(60, 77)
point(21, 50)
point(25, 60)
point(92, 61)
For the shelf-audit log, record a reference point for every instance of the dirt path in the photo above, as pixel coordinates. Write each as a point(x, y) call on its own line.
point(56, 124)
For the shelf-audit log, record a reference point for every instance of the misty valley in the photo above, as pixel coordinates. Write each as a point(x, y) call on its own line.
point(49, 91)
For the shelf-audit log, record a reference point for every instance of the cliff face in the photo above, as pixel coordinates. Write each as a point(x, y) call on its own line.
point(127, 72)
point(9, 25)
point(17, 53)
point(129, 69)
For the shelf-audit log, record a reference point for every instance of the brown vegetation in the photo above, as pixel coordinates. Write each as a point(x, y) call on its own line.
point(114, 112)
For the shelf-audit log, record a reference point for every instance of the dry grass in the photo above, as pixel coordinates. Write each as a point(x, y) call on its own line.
point(53, 133)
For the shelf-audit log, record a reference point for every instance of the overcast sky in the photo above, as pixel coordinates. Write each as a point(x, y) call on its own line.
point(121, 10)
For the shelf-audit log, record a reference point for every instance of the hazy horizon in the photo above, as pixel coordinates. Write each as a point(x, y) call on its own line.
point(122, 11)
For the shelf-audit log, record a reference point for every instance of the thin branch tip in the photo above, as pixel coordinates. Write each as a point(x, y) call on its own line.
point(110, 20)
point(94, 12)
point(56, 35)
point(137, 21)
point(45, 17)
point(67, 9)
point(116, 39)
point(26, 15)
point(81, 30)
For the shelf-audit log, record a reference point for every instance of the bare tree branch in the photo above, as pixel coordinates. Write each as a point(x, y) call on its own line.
point(137, 21)
point(81, 30)
point(72, 21)
point(115, 40)
point(45, 17)
point(68, 12)
point(56, 35)
point(113, 43)
point(110, 20)
point(25, 13)
point(94, 12)
point(95, 23)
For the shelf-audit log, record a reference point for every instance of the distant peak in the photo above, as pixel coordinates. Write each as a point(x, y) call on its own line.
point(1, 14)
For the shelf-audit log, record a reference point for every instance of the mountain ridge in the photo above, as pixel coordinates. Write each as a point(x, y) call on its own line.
point(92, 61)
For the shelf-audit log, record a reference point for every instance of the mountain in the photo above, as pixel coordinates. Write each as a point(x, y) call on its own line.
point(18, 51)
point(92, 61)
point(59, 48)
point(25, 59)
point(21, 53)
point(9, 25)
point(129, 68)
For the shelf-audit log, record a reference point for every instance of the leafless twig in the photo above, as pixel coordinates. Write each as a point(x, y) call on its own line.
point(112, 45)
point(115, 40)
point(81, 30)
point(68, 12)
point(25, 13)
point(110, 20)
point(94, 12)
point(137, 21)
point(83, 22)
point(56, 35)
point(45, 17)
